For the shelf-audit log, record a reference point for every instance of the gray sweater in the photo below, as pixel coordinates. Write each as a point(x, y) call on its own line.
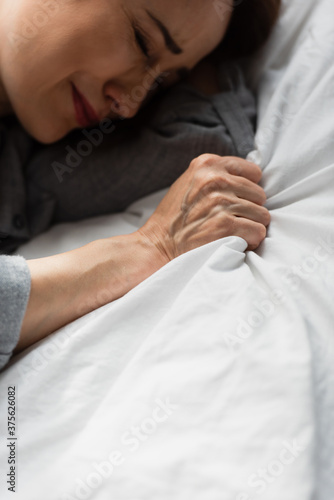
point(105, 169)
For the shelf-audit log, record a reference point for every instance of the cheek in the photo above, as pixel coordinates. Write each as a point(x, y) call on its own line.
point(90, 37)
point(37, 75)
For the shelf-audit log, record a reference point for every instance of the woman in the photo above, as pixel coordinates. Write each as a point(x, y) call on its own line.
point(66, 64)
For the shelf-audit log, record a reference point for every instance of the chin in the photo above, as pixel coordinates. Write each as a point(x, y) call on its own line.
point(48, 138)
point(45, 128)
point(44, 134)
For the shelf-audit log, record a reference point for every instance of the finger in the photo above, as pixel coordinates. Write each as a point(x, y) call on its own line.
point(251, 211)
point(248, 190)
point(253, 232)
point(243, 168)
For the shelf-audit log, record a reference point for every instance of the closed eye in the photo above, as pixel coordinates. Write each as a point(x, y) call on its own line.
point(142, 42)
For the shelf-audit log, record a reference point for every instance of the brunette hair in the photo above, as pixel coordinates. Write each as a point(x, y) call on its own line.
point(250, 26)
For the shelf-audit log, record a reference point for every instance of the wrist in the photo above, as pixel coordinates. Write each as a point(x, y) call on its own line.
point(159, 242)
point(127, 260)
point(66, 286)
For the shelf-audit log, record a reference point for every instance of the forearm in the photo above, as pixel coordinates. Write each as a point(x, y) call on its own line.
point(64, 287)
point(215, 197)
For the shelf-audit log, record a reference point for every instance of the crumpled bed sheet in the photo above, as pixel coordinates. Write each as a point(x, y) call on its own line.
point(213, 379)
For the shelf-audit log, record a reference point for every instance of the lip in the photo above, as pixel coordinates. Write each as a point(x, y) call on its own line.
point(84, 112)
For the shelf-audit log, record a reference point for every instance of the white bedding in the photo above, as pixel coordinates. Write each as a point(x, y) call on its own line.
point(214, 378)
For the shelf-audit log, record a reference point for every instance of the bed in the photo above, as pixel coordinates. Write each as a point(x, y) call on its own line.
point(214, 378)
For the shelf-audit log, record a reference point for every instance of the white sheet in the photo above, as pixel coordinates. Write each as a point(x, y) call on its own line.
point(241, 345)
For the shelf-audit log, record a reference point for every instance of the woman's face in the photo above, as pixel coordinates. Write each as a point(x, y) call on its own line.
point(67, 64)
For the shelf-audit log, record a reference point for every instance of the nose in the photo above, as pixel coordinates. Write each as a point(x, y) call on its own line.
point(125, 100)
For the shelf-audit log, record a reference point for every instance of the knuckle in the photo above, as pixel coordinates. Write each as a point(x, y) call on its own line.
point(204, 160)
point(227, 223)
point(228, 181)
point(263, 196)
point(232, 225)
point(209, 181)
point(233, 165)
point(223, 203)
point(214, 198)
point(261, 232)
point(266, 217)
point(263, 216)
point(221, 182)
point(256, 233)
point(257, 172)
point(258, 193)
point(226, 202)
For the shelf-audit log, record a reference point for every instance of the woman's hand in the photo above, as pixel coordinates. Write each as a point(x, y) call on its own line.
point(215, 197)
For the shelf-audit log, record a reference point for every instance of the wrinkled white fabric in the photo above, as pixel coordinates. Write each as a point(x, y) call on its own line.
point(213, 378)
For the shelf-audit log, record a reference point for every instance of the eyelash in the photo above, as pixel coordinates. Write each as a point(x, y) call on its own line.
point(142, 42)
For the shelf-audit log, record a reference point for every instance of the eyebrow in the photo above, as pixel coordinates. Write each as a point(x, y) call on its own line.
point(171, 45)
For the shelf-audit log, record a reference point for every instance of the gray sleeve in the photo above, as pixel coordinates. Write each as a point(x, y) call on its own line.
point(15, 283)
